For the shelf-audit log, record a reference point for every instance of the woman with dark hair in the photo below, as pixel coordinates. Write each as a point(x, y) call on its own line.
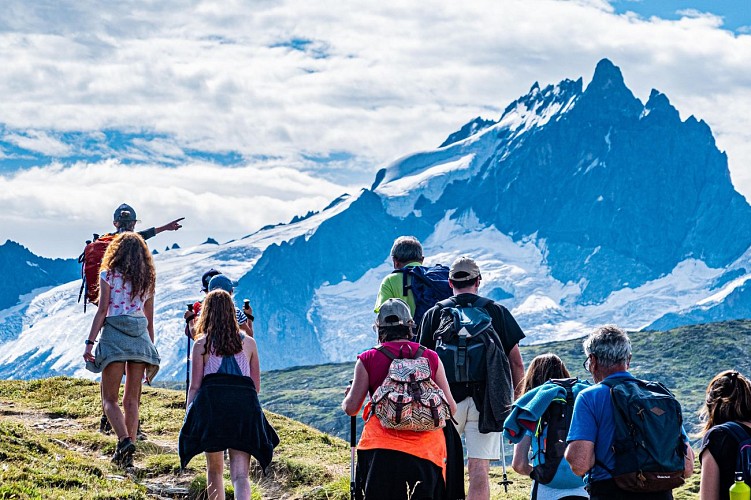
point(727, 403)
point(223, 408)
point(125, 316)
point(396, 464)
point(566, 485)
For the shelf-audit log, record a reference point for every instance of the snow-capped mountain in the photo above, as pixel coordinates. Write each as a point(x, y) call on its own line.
point(582, 207)
point(26, 273)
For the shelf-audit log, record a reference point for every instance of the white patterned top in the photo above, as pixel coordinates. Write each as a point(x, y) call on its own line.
point(121, 302)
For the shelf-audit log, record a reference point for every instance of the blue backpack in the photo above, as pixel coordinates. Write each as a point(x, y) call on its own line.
point(429, 286)
point(743, 462)
point(549, 439)
point(648, 441)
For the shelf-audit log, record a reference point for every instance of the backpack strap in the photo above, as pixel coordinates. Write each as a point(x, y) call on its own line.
point(382, 349)
point(385, 352)
point(740, 434)
point(482, 302)
point(611, 383)
point(450, 302)
point(419, 352)
point(736, 430)
point(406, 272)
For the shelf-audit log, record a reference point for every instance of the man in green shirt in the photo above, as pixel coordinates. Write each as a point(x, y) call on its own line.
point(406, 252)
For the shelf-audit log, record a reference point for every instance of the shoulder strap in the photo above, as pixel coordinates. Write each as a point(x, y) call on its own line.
point(390, 355)
point(450, 302)
point(612, 382)
point(738, 432)
point(483, 302)
point(385, 352)
point(740, 435)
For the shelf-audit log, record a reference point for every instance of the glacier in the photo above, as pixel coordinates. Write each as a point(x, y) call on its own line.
point(581, 206)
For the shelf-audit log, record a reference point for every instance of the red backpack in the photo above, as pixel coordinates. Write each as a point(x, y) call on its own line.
point(91, 260)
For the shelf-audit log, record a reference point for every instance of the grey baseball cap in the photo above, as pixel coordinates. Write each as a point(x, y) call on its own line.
point(394, 312)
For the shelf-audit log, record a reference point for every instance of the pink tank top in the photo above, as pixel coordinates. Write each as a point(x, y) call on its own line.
point(214, 363)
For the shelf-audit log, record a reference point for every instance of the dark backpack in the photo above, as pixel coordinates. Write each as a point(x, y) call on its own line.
point(648, 443)
point(429, 286)
point(743, 462)
point(461, 338)
point(91, 260)
point(549, 440)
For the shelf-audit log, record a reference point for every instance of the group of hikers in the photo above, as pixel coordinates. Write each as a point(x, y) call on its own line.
point(446, 380)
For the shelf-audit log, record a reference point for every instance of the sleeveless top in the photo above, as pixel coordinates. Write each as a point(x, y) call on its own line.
point(121, 301)
point(231, 365)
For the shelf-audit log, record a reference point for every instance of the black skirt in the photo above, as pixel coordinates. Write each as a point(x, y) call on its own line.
point(394, 475)
point(226, 414)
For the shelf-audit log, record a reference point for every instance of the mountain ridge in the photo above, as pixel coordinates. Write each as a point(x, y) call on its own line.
point(582, 207)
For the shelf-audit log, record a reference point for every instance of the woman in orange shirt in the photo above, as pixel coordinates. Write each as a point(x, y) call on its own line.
point(395, 464)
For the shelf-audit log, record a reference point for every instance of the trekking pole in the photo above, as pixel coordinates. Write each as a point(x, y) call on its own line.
point(187, 363)
point(505, 481)
point(352, 446)
point(187, 374)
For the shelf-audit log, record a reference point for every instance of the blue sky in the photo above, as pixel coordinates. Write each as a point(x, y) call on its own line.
point(245, 114)
point(735, 14)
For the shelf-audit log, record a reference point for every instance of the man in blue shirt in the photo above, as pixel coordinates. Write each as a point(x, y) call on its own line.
point(590, 438)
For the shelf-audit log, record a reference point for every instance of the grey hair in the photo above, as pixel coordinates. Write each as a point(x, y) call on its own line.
point(406, 249)
point(610, 345)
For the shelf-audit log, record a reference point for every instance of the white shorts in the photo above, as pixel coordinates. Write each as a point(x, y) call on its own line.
point(485, 446)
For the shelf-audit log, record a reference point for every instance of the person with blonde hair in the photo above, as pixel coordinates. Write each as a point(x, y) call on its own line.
point(223, 408)
point(727, 416)
point(125, 317)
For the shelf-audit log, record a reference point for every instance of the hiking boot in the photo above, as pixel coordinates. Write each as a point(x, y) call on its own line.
point(123, 456)
point(140, 435)
point(104, 425)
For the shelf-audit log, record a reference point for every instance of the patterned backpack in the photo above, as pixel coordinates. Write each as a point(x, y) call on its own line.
point(408, 399)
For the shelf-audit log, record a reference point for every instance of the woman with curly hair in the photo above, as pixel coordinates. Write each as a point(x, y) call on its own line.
point(125, 317)
point(727, 417)
point(223, 408)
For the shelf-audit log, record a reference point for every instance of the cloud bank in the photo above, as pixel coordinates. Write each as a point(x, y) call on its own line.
point(314, 95)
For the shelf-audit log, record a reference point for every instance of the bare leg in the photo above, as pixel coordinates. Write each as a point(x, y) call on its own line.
point(239, 469)
point(479, 482)
point(111, 377)
point(132, 396)
point(214, 471)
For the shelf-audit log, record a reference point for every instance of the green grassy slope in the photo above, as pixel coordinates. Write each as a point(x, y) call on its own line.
point(50, 448)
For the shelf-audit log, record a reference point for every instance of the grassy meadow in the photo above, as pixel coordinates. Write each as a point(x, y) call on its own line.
point(50, 447)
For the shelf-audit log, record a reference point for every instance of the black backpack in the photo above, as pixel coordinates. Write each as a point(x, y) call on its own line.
point(461, 338)
point(429, 286)
point(549, 441)
point(743, 462)
point(648, 443)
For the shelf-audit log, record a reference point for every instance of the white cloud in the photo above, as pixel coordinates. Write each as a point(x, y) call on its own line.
point(38, 141)
point(396, 77)
point(55, 209)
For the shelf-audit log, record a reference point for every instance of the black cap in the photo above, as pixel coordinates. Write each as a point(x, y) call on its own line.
point(207, 277)
point(124, 213)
